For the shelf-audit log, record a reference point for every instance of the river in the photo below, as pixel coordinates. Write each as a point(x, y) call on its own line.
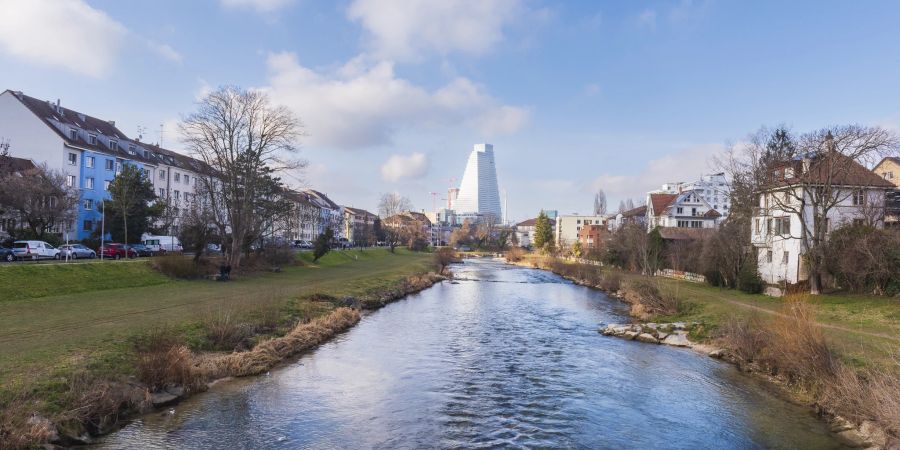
point(505, 357)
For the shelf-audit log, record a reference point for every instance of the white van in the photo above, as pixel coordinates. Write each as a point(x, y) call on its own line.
point(34, 250)
point(162, 244)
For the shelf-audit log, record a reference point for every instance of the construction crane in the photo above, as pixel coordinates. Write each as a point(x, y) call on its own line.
point(434, 201)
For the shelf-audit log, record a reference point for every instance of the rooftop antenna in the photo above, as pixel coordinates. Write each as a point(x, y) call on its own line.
point(141, 130)
point(161, 131)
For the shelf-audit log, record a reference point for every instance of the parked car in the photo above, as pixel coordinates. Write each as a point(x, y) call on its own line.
point(213, 248)
point(75, 251)
point(116, 251)
point(141, 249)
point(35, 250)
point(7, 254)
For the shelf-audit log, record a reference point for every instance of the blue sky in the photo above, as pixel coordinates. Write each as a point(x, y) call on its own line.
point(574, 96)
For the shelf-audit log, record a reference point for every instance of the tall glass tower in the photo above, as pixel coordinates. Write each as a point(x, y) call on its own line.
point(478, 192)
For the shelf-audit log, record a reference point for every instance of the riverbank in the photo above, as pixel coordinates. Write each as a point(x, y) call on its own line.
point(785, 344)
point(75, 365)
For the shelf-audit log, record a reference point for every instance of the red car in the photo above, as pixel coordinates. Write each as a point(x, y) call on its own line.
point(116, 251)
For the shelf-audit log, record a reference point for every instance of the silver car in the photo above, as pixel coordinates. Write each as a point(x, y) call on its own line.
point(75, 251)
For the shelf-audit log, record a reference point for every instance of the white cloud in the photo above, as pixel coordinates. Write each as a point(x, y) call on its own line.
point(166, 51)
point(647, 19)
point(404, 30)
point(399, 167)
point(685, 165)
point(261, 6)
point(363, 103)
point(61, 33)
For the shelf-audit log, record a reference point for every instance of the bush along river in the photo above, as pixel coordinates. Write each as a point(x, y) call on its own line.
point(505, 356)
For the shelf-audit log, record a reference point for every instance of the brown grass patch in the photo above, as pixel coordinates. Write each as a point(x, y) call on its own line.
point(161, 359)
point(267, 354)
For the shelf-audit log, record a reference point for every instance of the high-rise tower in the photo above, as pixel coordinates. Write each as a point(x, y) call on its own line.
point(478, 192)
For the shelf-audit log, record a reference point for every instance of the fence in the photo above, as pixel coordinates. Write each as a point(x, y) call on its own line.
point(681, 275)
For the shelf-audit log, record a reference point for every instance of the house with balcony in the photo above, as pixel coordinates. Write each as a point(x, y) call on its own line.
point(687, 209)
point(568, 226)
point(787, 215)
point(359, 226)
point(889, 170)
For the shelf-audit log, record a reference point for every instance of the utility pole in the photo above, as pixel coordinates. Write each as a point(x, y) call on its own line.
point(102, 228)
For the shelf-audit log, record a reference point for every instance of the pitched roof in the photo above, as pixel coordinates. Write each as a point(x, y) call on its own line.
point(835, 169)
point(13, 164)
point(326, 202)
point(712, 214)
point(684, 234)
point(639, 211)
point(527, 223)
point(359, 212)
point(660, 202)
point(419, 216)
point(893, 159)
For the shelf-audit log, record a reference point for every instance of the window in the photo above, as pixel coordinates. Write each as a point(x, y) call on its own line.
point(88, 183)
point(73, 159)
point(177, 195)
point(162, 174)
point(769, 256)
point(147, 173)
point(780, 226)
point(89, 162)
point(92, 139)
point(70, 180)
point(162, 193)
point(187, 179)
point(73, 134)
point(88, 204)
point(131, 150)
point(784, 257)
point(859, 197)
point(888, 175)
point(789, 172)
point(106, 185)
point(88, 225)
point(177, 177)
point(113, 145)
point(757, 225)
point(693, 211)
point(858, 222)
point(118, 167)
point(109, 164)
point(679, 210)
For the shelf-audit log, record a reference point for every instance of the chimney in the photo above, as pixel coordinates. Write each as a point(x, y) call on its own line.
point(112, 122)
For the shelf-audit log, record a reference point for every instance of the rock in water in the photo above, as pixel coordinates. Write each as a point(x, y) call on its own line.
point(630, 335)
point(717, 353)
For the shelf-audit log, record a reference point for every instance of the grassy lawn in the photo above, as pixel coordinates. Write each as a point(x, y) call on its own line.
point(44, 333)
point(863, 329)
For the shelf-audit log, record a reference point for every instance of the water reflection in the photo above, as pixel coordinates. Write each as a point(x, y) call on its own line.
point(513, 360)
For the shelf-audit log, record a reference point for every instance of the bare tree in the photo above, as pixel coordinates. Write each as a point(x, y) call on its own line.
point(39, 197)
point(600, 203)
point(390, 207)
point(244, 140)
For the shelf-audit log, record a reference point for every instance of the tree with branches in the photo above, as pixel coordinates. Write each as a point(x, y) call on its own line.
point(390, 207)
point(243, 140)
point(39, 197)
point(600, 203)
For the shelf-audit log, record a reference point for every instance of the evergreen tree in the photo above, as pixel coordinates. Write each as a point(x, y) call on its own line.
point(543, 232)
point(132, 208)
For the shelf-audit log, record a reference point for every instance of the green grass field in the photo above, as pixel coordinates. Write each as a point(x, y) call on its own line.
point(55, 319)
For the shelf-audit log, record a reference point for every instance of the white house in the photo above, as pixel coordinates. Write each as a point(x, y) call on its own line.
point(686, 209)
point(784, 214)
point(712, 188)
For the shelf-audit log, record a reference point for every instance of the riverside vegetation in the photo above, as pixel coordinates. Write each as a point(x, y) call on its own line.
point(75, 365)
point(808, 345)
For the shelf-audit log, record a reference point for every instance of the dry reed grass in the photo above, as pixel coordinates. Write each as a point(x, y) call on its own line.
point(267, 354)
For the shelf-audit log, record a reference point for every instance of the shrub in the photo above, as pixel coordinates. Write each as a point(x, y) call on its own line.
point(869, 395)
point(864, 259)
point(653, 301)
point(162, 359)
point(798, 349)
point(224, 332)
point(611, 282)
point(278, 255)
point(177, 266)
point(322, 244)
point(749, 280)
point(515, 254)
point(442, 258)
point(96, 403)
point(746, 338)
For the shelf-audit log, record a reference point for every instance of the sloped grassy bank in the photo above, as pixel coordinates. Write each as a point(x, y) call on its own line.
point(167, 363)
point(786, 347)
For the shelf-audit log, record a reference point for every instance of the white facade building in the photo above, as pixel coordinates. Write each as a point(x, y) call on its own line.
point(686, 209)
point(713, 189)
point(568, 227)
point(777, 229)
point(478, 191)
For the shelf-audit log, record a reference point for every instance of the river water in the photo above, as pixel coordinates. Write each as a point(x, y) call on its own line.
point(505, 357)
